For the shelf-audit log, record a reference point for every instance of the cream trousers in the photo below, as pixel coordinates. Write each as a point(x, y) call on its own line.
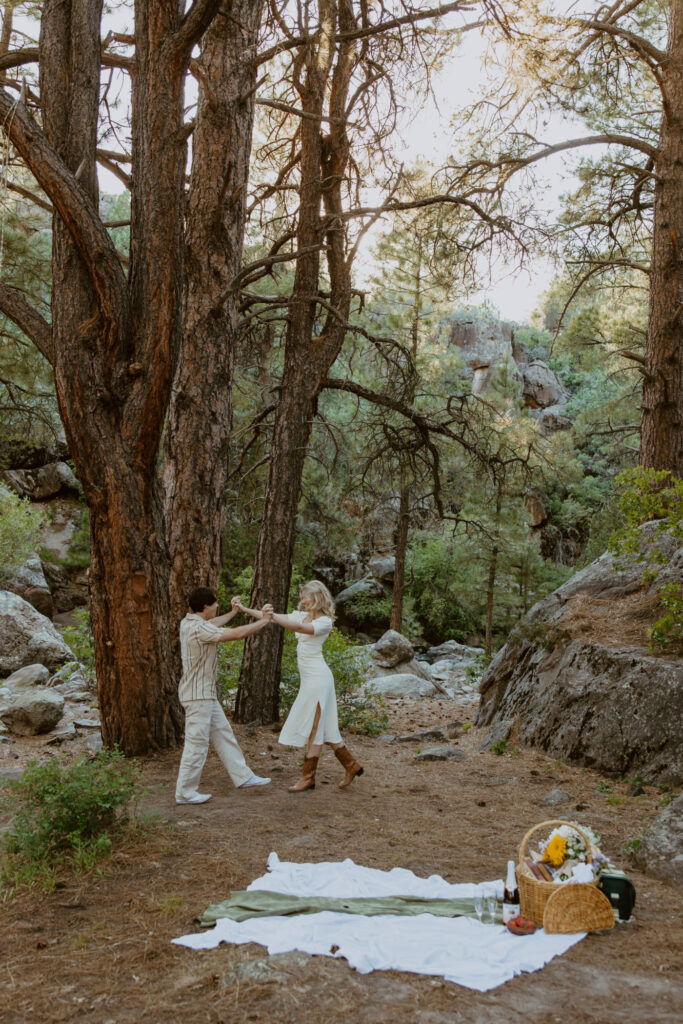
point(205, 722)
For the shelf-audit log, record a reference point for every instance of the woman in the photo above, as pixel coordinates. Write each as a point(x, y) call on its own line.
point(313, 720)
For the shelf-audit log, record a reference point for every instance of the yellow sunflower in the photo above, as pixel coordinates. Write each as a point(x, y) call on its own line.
point(556, 851)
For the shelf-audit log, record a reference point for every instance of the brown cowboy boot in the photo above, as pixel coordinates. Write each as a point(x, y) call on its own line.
point(307, 780)
point(349, 762)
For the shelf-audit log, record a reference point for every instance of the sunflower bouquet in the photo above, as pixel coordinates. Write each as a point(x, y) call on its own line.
point(564, 856)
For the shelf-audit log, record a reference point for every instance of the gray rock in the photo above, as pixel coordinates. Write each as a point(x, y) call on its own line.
point(275, 968)
point(441, 754)
point(499, 734)
point(553, 418)
point(27, 637)
point(382, 567)
point(304, 841)
point(30, 583)
point(403, 684)
point(612, 707)
point(31, 712)
point(367, 587)
point(93, 741)
point(88, 723)
point(452, 651)
point(556, 796)
point(660, 852)
point(46, 482)
point(64, 732)
point(374, 670)
point(541, 388)
point(425, 734)
point(392, 648)
point(30, 675)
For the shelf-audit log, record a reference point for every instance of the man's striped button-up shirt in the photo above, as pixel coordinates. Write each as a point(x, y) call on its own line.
point(198, 639)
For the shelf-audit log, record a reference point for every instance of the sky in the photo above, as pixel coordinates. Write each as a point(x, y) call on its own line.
point(425, 135)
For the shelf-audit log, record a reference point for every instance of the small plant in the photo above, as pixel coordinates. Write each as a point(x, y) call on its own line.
point(63, 816)
point(604, 787)
point(78, 555)
point(21, 525)
point(616, 799)
point(632, 845)
point(500, 747)
point(80, 639)
point(665, 799)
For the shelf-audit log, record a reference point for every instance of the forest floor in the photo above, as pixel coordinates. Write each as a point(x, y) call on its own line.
point(98, 949)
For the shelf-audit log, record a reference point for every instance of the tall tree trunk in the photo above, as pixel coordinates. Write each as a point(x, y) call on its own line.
point(661, 444)
point(198, 430)
point(396, 621)
point(491, 582)
point(307, 358)
point(114, 354)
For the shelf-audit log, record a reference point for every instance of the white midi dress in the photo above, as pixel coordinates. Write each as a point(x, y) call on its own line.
point(317, 688)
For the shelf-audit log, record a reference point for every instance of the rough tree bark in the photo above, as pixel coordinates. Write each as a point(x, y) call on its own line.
point(307, 357)
point(198, 429)
point(114, 342)
point(661, 445)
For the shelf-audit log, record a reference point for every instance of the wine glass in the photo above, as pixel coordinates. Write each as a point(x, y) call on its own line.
point(491, 904)
point(479, 906)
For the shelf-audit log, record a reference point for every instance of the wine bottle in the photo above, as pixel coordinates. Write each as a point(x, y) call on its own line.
point(510, 894)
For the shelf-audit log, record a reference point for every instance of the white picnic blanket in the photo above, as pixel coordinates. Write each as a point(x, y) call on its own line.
point(461, 950)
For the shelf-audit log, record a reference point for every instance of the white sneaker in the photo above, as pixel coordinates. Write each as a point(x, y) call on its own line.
point(255, 780)
point(196, 798)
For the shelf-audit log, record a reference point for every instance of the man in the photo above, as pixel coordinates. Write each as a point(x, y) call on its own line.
point(200, 632)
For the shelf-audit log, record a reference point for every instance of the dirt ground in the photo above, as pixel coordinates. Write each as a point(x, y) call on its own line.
point(99, 948)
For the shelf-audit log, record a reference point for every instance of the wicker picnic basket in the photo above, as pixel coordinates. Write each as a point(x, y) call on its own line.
point(534, 894)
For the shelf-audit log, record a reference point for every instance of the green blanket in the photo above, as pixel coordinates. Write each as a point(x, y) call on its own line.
point(261, 903)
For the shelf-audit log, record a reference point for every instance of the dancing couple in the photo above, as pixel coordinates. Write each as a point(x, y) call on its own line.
point(313, 719)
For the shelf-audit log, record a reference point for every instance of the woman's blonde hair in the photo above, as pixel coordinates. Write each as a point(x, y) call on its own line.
point(320, 596)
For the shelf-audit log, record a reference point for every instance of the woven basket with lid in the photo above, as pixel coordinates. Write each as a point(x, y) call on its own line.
point(533, 893)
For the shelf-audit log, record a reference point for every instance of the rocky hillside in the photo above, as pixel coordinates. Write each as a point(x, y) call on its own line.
point(577, 677)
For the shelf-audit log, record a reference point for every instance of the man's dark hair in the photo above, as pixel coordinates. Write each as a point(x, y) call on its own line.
point(201, 598)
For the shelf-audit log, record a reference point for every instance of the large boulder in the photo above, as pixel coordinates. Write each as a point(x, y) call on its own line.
point(30, 583)
point(42, 483)
point(366, 587)
point(382, 567)
point(30, 675)
point(393, 654)
point(392, 648)
point(29, 712)
point(403, 684)
point(27, 637)
point(541, 388)
point(660, 852)
point(580, 680)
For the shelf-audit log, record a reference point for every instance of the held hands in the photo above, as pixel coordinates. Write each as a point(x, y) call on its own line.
point(236, 604)
point(267, 612)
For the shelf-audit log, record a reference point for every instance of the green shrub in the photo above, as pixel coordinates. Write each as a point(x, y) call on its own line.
point(63, 816)
point(80, 639)
point(21, 525)
point(78, 555)
point(646, 495)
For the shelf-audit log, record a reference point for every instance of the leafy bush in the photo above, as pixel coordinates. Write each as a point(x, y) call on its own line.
point(63, 816)
point(78, 555)
point(646, 495)
point(21, 525)
point(80, 639)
